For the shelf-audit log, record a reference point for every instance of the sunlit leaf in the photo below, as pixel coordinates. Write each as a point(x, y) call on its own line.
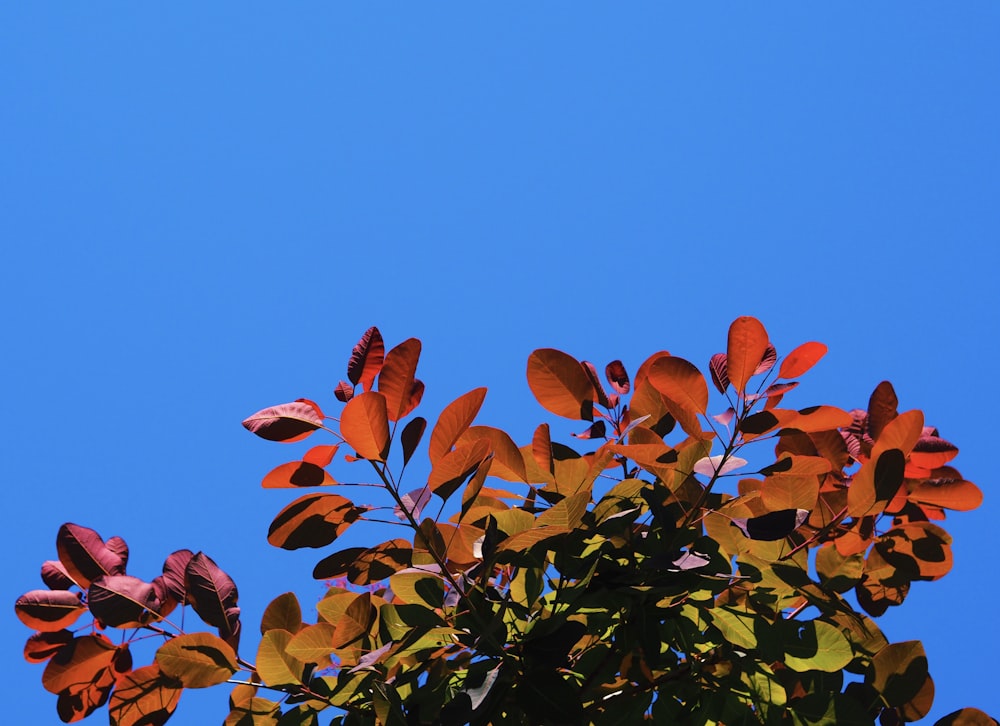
point(745, 349)
point(947, 492)
point(814, 645)
point(456, 417)
point(364, 424)
point(313, 520)
point(274, 664)
point(286, 423)
point(681, 382)
point(143, 697)
point(296, 474)
point(396, 380)
point(560, 384)
point(618, 377)
point(197, 660)
point(122, 600)
point(282, 613)
point(876, 483)
point(508, 464)
point(312, 644)
point(79, 663)
point(789, 492)
point(718, 465)
point(366, 359)
point(49, 610)
point(85, 556)
point(801, 359)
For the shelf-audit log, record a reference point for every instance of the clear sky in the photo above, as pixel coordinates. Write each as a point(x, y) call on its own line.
point(203, 206)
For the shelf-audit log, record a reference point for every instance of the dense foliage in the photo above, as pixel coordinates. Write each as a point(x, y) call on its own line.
point(662, 576)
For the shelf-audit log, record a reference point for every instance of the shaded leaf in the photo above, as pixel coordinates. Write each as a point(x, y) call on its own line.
point(411, 435)
point(357, 621)
point(85, 556)
point(801, 359)
point(55, 577)
point(143, 697)
point(42, 646)
point(79, 663)
point(456, 417)
point(313, 520)
point(882, 408)
point(898, 672)
point(560, 384)
point(364, 424)
point(286, 423)
point(49, 610)
point(719, 371)
point(197, 660)
point(718, 465)
point(344, 391)
point(122, 600)
point(413, 502)
point(596, 430)
point(451, 470)
point(366, 359)
point(595, 382)
point(966, 717)
point(336, 565)
point(618, 377)
point(396, 380)
point(296, 474)
point(212, 593)
point(745, 349)
point(508, 463)
point(771, 526)
point(174, 577)
point(379, 562)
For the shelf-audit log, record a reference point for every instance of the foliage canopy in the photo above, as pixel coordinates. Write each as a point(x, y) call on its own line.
point(660, 576)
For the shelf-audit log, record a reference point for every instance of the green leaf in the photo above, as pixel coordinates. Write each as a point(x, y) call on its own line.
point(737, 625)
point(814, 645)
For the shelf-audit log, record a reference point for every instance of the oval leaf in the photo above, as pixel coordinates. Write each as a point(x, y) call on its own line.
point(745, 350)
point(410, 438)
point(454, 468)
point(143, 697)
point(396, 380)
point(366, 359)
point(197, 660)
point(283, 613)
point(681, 382)
point(49, 610)
point(296, 474)
point(122, 601)
point(42, 646)
point(286, 423)
point(453, 422)
point(85, 555)
point(801, 359)
point(212, 593)
point(560, 384)
point(314, 520)
point(364, 425)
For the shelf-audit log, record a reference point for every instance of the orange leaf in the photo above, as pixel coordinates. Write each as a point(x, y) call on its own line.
point(508, 464)
point(947, 493)
point(745, 350)
point(297, 474)
point(560, 384)
point(143, 696)
point(901, 433)
point(379, 562)
point(455, 467)
point(396, 380)
point(801, 359)
point(681, 383)
point(197, 660)
point(79, 664)
point(453, 421)
point(357, 620)
point(541, 448)
point(365, 427)
point(49, 610)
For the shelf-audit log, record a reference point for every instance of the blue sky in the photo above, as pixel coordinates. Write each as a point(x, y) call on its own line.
point(203, 207)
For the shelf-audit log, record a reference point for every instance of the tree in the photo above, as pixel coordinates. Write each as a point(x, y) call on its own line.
point(666, 575)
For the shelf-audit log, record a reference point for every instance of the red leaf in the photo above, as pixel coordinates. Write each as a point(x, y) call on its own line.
point(591, 371)
point(365, 427)
point(411, 435)
point(801, 359)
point(344, 391)
point(174, 569)
point(122, 601)
point(314, 520)
point(366, 359)
point(82, 662)
point(42, 646)
point(541, 448)
point(321, 455)
point(49, 610)
point(213, 594)
point(416, 394)
point(54, 575)
point(456, 417)
point(396, 380)
point(618, 377)
point(560, 384)
point(85, 555)
point(882, 408)
point(297, 474)
point(719, 370)
point(454, 468)
point(745, 351)
point(286, 423)
point(508, 464)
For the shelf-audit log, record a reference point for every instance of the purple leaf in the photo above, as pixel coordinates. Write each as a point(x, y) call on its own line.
point(719, 369)
point(286, 423)
point(211, 592)
point(122, 600)
point(54, 575)
point(174, 569)
point(414, 502)
point(85, 555)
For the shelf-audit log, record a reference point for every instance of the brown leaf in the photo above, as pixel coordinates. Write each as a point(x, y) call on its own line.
point(882, 408)
point(560, 384)
point(344, 391)
point(143, 697)
point(49, 610)
point(618, 377)
point(591, 371)
point(451, 470)
point(286, 423)
point(283, 613)
point(197, 660)
point(364, 424)
point(508, 464)
point(379, 562)
point(356, 622)
point(313, 520)
point(396, 380)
